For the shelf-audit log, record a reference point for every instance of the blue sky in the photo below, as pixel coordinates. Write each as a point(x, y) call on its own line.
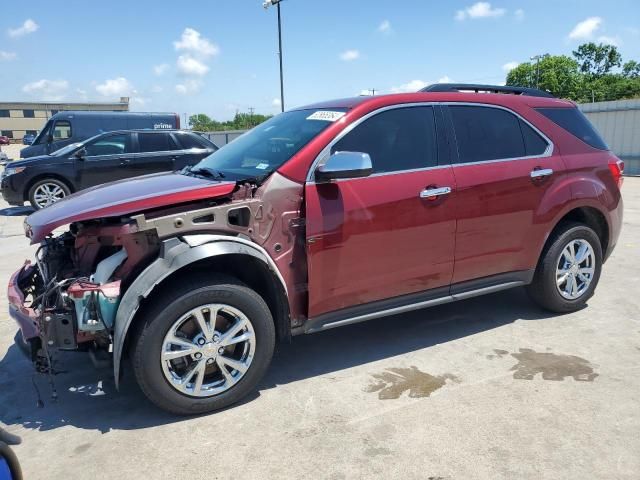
point(216, 56)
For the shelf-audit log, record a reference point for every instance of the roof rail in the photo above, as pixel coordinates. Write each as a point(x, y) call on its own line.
point(472, 87)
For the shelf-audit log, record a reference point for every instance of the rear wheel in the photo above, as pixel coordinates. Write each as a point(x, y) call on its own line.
point(204, 347)
point(47, 192)
point(568, 270)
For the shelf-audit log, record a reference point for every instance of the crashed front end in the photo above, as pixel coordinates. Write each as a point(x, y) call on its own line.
point(68, 297)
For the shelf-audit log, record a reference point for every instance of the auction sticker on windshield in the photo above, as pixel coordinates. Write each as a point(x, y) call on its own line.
point(326, 115)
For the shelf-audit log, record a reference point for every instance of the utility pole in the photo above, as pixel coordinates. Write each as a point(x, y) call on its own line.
point(373, 92)
point(267, 4)
point(251, 109)
point(537, 59)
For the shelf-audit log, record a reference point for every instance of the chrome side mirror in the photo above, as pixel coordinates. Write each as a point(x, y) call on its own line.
point(344, 165)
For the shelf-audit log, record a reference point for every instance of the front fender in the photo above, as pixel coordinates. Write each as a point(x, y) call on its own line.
point(174, 255)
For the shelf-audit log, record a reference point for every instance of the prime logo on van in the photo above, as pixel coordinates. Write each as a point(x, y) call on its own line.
point(161, 126)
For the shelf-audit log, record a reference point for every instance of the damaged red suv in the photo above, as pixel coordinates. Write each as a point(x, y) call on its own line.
point(323, 216)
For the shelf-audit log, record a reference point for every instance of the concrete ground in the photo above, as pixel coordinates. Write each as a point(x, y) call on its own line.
point(12, 150)
point(489, 388)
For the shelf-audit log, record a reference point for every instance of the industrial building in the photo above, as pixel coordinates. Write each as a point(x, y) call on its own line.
point(20, 118)
point(619, 124)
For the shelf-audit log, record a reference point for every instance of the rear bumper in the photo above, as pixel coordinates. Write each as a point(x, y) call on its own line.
point(615, 226)
point(25, 317)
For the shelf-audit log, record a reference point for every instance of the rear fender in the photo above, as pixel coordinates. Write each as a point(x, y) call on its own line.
point(174, 255)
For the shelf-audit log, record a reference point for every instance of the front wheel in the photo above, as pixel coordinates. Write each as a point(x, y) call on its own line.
point(568, 270)
point(47, 192)
point(204, 347)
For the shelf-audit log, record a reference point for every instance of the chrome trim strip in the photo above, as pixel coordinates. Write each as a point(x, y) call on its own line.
point(416, 306)
point(326, 151)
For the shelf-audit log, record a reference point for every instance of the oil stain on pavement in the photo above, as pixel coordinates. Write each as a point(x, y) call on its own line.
point(393, 382)
point(552, 366)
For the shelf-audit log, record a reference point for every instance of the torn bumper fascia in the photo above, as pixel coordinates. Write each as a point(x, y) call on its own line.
point(25, 317)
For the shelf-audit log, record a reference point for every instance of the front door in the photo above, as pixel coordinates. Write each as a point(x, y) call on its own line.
point(380, 237)
point(503, 171)
point(106, 159)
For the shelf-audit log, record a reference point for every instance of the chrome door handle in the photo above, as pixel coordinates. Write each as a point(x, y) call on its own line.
point(435, 192)
point(541, 172)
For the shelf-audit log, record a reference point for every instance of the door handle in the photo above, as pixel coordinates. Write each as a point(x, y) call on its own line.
point(433, 193)
point(125, 161)
point(541, 172)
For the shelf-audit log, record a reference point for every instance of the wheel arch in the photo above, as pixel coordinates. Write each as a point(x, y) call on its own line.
point(588, 215)
point(232, 256)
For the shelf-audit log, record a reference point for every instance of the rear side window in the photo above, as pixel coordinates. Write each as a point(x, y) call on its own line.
point(574, 122)
point(534, 144)
point(156, 142)
point(396, 140)
point(189, 141)
point(109, 145)
point(485, 133)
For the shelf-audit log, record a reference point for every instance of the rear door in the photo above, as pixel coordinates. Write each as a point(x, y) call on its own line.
point(106, 159)
point(374, 238)
point(157, 152)
point(503, 169)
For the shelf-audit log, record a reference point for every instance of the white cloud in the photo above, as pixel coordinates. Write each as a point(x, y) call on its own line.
point(160, 69)
point(188, 65)
point(82, 94)
point(480, 10)
point(615, 41)
point(193, 42)
point(519, 14)
point(156, 89)
point(507, 67)
point(29, 26)
point(189, 87)
point(585, 29)
point(417, 85)
point(7, 56)
point(44, 89)
point(115, 87)
point(385, 27)
point(276, 102)
point(349, 55)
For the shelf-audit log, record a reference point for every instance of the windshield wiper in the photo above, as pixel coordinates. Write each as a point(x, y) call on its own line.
point(206, 172)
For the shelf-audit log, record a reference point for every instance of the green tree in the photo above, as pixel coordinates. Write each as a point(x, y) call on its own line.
point(597, 60)
point(201, 122)
point(557, 74)
point(631, 69)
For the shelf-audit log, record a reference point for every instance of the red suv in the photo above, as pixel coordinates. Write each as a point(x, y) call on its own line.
point(323, 216)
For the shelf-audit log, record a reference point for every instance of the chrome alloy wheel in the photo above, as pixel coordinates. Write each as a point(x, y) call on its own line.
point(208, 350)
point(575, 269)
point(47, 194)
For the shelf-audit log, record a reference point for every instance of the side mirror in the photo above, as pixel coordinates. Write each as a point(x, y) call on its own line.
point(49, 138)
point(344, 165)
point(80, 154)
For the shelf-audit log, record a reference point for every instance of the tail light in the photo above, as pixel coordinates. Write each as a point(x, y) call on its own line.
point(617, 169)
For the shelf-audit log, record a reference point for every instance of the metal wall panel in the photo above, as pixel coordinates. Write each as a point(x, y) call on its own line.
point(619, 124)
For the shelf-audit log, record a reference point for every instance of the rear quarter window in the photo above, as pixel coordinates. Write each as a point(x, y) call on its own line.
point(574, 122)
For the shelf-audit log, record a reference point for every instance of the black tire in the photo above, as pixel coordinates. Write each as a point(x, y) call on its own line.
point(51, 181)
point(544, 290)
point(174, 303)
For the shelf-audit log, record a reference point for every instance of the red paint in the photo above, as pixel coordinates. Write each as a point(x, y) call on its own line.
point(375, 238)
point(122, 198)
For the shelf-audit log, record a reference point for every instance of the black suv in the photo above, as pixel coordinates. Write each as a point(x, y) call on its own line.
point(110, 156)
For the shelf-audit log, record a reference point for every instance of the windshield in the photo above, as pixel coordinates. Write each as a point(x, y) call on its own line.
point(264, 149)
point(64, 150)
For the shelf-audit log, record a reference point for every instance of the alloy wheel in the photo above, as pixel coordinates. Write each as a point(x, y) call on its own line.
point(208, 350)
point(47, 194)
point(575, 269)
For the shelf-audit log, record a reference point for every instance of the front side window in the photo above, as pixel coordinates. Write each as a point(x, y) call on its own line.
point(44, 134)
point(486, 133)
point(62, 130)
point(156, 142)
point(112, 145)
point(396, 140)
point(189, 141)
point(263, 149)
